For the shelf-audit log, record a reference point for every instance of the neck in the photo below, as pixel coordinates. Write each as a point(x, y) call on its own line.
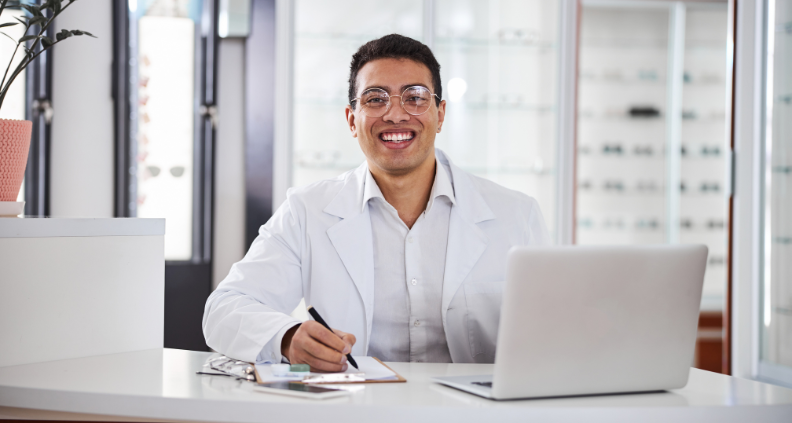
point(407, 193)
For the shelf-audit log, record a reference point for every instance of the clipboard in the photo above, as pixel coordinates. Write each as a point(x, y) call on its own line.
point(399, 378)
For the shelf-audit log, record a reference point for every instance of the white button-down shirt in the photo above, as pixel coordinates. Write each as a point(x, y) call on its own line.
point(409, 264)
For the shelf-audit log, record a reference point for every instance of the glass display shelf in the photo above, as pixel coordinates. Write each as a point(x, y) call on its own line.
point(476, 106)
point(341, 37)
point(527, 171)
point(651, 152)
point(490, 42)
point(660, 44)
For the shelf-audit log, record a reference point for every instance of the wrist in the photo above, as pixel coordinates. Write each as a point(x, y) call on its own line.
point(286, 341)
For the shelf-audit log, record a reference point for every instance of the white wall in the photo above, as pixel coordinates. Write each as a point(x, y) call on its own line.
point(229, 159)
point(82, 127)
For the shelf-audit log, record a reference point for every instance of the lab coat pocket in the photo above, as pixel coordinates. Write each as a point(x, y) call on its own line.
point(483, 308)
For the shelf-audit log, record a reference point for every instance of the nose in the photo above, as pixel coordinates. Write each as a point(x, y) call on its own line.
point(396, 112)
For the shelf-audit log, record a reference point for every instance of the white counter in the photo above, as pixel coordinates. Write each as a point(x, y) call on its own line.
point(162, 384)
point(48, 227)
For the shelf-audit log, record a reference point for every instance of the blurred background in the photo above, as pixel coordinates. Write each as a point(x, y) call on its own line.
point(626, 119)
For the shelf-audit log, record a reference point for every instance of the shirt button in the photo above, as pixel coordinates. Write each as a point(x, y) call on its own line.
point(417, 323)
point(414, 282)
point(409, 239)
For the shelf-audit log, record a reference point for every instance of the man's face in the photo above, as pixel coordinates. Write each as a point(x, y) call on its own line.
point(396, 142)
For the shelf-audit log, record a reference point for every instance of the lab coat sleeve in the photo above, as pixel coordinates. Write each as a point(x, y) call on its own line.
point(248, 314)
point(537, 233)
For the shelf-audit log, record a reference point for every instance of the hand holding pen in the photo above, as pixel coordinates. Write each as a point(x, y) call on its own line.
point(324, 349)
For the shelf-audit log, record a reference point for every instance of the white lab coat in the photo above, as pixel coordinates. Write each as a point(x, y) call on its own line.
point(318, 245)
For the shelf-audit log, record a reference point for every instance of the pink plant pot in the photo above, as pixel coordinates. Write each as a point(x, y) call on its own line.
point(14, 146)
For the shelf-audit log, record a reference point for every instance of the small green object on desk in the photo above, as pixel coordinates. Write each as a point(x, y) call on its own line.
point(299, 368)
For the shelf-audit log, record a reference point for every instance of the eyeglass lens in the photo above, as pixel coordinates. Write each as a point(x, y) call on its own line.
point(415, 100)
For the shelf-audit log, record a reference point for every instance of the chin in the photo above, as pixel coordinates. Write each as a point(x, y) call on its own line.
point(399, 161)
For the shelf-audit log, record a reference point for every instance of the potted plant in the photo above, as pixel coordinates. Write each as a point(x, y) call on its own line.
point(15, 134)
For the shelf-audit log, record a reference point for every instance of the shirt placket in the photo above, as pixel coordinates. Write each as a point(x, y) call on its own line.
point(415, 288)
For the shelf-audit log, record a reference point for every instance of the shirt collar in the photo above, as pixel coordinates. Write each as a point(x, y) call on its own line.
point(441, 187)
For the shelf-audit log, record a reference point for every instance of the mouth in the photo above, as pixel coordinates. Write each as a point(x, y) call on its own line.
point(397, 139)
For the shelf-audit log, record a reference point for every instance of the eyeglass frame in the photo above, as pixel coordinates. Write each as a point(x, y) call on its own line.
point(401, 100)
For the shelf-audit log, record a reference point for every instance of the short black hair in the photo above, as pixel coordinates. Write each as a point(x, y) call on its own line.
point(394, 46)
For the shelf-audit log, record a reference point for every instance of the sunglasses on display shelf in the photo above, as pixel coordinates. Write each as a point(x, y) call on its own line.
point(614, 186)
point(710, 151)
point(647, 224)
point(785, 240)
point(176, 171)
point(612, 149)
point(709, 187)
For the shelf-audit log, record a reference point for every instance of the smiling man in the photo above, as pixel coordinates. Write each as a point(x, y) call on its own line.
point(405, 256)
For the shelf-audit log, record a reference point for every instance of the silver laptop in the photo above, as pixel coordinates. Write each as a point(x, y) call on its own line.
point(594, 320)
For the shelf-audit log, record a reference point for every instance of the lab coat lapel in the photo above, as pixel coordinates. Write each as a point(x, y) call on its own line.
point(353, 241)
point(466, 241)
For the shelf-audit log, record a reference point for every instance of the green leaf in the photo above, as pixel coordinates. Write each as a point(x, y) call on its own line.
point(28, 38)
point(9, 37)
point(36, 20)
point(34, 10)
point(3, 25)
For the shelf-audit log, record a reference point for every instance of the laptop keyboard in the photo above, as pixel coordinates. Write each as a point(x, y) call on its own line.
point(486, 384)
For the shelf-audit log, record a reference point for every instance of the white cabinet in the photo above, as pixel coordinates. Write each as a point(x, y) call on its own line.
point(80, 287)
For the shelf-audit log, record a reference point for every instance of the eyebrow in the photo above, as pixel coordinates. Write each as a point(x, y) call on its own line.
point(403, 87)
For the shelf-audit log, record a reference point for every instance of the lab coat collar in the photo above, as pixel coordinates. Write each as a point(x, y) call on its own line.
point(350, 199)
point(441, 186)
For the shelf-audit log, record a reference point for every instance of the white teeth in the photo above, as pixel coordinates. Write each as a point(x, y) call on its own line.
point(397, 137)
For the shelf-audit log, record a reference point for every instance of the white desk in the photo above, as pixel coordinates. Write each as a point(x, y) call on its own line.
point(162, 384)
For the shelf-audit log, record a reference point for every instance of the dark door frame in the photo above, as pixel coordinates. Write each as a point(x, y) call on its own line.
point(259, 117)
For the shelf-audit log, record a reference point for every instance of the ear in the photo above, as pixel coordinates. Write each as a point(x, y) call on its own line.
point(350, 117)
point(441, 115)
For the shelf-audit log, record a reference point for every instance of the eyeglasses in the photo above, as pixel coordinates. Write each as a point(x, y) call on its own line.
point(375, 102)
point(224, 366)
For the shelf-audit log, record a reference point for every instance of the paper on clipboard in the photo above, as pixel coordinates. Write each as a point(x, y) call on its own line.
point(373, 371)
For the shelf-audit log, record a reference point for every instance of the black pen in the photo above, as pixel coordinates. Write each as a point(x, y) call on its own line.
point(318, 318)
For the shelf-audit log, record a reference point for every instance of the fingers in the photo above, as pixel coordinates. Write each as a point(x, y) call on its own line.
point(323, 335)
point(316, 346)
point(348, 339)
